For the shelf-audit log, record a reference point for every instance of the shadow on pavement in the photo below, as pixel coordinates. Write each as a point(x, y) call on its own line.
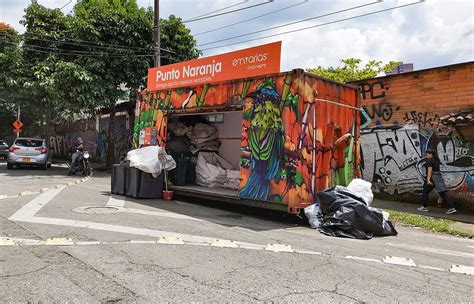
point(222, 213)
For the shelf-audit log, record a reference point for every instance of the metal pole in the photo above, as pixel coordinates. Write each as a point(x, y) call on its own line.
point(157, 34)
point(18, 118)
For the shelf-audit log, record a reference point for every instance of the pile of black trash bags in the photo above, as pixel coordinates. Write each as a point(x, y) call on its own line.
point(346, 213)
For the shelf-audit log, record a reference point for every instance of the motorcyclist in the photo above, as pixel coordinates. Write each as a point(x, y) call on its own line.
point(76, 153)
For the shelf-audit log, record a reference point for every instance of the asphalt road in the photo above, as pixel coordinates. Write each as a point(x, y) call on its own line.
point(56, 248)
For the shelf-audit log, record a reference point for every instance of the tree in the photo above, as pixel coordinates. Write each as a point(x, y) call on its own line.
point(176, 41)
point(10, 63)
point(351, 70)
point(71, 64)
point(123, 23)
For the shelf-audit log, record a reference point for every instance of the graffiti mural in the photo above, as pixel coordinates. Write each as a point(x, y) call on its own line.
point(393, 159)
point(381, 112)
point(293, 143)
point(423, 119)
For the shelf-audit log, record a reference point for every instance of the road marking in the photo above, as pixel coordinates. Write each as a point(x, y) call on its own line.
point(434, 250)
point(356, 258)
point(170, 241)
point(26, 193)
point(224, 244)
point(462, 269)
point(431, 268)
point(161, 213)
point(113, 202)
point(30, 209)
point(58, 242)
point(279, 248)
point(9, 241)
point(399, 261)
point(27, 214)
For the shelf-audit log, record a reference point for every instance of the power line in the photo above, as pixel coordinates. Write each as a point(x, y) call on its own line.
point(95, 44)
point(55, 51)
point(253, 18)
point(229, 12)
point(90, 55)
point(292, 23)
point(314, 26)
point(219, 10)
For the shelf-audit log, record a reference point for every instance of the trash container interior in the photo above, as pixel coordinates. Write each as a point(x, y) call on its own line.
point(192, 134)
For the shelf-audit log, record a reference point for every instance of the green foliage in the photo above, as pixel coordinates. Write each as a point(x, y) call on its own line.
point(433, 224)
point(110, 22)
point(177, 38)
point(68, 65)
point(351, 70)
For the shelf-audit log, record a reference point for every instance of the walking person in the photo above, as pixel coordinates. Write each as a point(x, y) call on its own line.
point(434, 180)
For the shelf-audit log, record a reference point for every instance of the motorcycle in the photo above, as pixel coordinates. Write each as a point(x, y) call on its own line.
point(82, 165)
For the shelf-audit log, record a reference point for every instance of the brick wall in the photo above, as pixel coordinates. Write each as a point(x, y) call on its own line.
point(402, 114)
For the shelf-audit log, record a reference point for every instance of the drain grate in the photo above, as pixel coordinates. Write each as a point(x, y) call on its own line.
point(96, 210)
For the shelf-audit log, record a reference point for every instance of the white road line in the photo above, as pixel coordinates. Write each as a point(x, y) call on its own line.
point(161, 213)
point(30, 209)
point(113, 202)
point(399, 261)
point(117, 228)
point(434, 250)
point(462, 269)
point(431, 268)
point(27, 212)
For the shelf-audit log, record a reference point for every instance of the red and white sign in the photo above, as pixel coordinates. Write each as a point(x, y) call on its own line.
point(251, 62)
point(17, 124)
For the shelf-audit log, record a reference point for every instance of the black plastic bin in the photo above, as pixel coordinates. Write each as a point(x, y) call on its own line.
point(181, 171)
point(119, 179)
point(143, 185)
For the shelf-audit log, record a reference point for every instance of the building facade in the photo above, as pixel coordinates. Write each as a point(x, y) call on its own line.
point(404, 116)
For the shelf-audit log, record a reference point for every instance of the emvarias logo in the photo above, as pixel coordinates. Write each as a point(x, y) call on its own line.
point(250, 59)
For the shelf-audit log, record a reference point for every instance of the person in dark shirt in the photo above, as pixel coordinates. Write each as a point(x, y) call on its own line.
point(434, 180)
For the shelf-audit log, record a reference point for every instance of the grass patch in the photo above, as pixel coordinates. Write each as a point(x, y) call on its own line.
point(433, 224)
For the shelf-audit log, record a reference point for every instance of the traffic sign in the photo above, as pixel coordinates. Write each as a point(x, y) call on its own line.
point(17, 130)
point(17, 124)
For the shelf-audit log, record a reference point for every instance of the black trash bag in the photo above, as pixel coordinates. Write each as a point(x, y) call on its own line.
point(346, 215)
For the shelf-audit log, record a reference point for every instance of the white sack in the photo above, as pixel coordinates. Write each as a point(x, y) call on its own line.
point(152, 159)
point(202, 133)
point(314, 214)
point(214, 171)
point(362, 189)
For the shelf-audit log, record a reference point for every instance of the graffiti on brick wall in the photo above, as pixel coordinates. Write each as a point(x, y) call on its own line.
point(381, 112)
point(393, 159)
point(422, 119)
point(61, 144)
point(367, 90)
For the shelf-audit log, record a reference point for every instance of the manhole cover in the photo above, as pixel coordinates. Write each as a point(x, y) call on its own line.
point(96, 210)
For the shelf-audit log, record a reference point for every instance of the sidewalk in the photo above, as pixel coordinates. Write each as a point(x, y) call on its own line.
point(434, 211)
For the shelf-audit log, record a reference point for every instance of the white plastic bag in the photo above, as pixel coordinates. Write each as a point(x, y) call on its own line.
point(214, 171)
point(152, 159)
point(362, 189)
point(314, 214)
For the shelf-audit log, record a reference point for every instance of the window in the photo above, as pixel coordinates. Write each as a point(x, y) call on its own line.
point(33, 143)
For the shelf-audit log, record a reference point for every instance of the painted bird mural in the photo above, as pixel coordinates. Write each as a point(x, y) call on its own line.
point(265, 141)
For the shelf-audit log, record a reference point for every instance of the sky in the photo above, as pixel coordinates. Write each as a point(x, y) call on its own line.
point(429, 34)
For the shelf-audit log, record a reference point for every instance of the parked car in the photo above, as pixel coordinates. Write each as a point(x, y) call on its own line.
point(30, 152)
point(3, 149)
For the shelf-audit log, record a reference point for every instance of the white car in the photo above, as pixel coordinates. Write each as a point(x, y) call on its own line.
point(29, 152)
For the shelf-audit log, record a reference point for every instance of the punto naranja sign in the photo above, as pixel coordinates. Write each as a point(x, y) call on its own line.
point(251, 62)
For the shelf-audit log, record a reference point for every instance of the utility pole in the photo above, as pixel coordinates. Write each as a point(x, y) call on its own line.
point(157, 34)
point(18, 118)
